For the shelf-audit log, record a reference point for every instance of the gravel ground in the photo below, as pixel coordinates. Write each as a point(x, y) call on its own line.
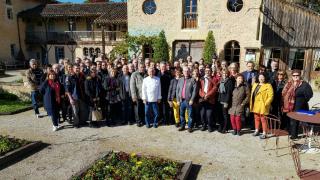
point(217, 156)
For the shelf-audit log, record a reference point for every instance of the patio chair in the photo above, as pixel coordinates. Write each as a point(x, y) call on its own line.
point(302, 173)
point(311, 131)
point(273, 124)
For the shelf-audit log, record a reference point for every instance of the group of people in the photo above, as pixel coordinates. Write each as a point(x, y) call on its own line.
point(185, 93)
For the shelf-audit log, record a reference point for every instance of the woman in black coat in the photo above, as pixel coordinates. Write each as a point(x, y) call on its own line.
point(225, 90)
point(52, 91)
point(92, 86)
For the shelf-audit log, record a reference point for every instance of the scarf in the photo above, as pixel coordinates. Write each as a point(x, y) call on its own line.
point(56, 87)
point(289, 93)
point(222, 88)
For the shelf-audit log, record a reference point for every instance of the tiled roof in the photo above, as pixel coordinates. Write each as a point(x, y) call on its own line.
point(87, 9)
point(116, 14)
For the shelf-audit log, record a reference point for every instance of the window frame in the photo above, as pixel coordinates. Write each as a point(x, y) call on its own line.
point(149, 10)
point(232, 49)
point(59, 52)
point(9, 13)
point(293, 60)
point(190, 14)
point(235, 10)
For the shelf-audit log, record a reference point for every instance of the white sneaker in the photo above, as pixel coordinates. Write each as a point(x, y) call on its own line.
point(38, 116)
point(55, 128)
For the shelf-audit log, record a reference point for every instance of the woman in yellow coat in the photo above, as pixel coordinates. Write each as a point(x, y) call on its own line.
point(260, 102)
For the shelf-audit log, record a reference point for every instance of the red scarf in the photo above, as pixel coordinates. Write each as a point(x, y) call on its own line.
point(56, 87)
point(289, 95)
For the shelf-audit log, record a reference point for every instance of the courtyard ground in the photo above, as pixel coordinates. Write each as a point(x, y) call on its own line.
point(216, 156)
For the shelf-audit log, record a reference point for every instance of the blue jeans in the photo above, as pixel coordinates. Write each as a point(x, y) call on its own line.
point(55, 117)
point(34, 100)
point(184, 105)
point(155, 112)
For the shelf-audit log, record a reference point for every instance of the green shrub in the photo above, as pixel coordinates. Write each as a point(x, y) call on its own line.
point(161, 48)
point(209, 48)
point(4, 95)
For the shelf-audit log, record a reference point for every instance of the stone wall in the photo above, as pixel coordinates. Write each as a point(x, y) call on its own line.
point(241, 26)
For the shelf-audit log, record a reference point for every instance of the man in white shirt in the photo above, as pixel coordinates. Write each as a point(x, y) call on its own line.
point(151, 96)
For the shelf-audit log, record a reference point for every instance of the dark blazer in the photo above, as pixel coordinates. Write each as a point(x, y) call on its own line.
point(49, 98)
point(165, 83)
point(172, 89)
point(191, 89)
point(92, 88)
point(248, 78)
point(277, 102)
point(122, 80)
point(212, 90)
point(303, 94)
point(227, 96)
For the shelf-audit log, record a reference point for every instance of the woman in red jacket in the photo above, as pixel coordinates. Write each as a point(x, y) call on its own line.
point(207, 93)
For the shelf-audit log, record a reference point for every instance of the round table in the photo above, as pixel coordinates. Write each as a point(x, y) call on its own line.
point(314, 119)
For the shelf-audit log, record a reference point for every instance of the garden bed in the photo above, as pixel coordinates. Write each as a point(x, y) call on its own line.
point(12, 149)
point(120, 165)
point(11, 104)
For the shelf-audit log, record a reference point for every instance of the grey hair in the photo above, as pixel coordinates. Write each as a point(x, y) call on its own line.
point(33, 61)
point(55, 65)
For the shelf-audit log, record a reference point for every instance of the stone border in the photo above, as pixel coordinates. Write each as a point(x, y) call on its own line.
point(18, 154)
point(185, 170)
point(17, 111)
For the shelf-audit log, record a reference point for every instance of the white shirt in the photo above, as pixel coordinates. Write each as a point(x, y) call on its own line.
point(151, 89)
point(206, 82)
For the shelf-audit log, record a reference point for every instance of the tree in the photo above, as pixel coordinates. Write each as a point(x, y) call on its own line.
point(209, 48)
point(161, 48)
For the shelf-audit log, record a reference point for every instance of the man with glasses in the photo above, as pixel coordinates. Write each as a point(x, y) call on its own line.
point(34, 75)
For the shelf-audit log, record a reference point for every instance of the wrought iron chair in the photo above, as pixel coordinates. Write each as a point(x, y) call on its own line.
point(274, 124)
point(302, 173)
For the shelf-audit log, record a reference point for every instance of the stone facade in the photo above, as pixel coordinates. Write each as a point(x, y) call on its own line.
point(9, 43)
point(243, 26)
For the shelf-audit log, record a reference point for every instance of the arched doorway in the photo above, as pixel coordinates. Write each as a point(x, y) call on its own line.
point(232, 51)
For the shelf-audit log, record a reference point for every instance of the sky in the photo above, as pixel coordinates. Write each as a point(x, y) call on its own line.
point(76, 1)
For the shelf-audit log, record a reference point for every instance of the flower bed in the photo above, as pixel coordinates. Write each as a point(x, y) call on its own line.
point(9, 144)
point(11, 104)
point(120, 165)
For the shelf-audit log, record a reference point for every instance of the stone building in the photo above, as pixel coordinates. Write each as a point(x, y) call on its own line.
point(236, 25)
point(56, 31)
point(11, 42)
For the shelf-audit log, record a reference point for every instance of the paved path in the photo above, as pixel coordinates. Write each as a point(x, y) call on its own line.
point(220, 156)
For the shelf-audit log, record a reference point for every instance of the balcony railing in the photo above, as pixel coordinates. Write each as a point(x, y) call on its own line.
point(73, 37)
point(190, 20)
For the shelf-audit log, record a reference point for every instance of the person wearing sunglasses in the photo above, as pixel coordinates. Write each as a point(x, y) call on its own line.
point(296, 95)
point(278, 83)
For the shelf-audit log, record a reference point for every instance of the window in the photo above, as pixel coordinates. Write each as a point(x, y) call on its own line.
point(149, 7)
point(98, 51)
point(234, 5)
point(85, 51)
point(59, 52)
point(182, 49)
point(147, 51)
point(316, 60)
point(72, 26)
point(232, 51)
point(8, 2)
point(190, 15)
point(9, 13)
point(296, 59)
point(12, 49)
point(271, 54)
point(91, 52)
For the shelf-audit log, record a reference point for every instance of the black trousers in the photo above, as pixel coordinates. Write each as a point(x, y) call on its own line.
point(206, 114)
point(294, 128)
point(115, 110)
point(164, 114)
point(127, 109)
point(225, 119)
point(196, 117)
point(139, 111)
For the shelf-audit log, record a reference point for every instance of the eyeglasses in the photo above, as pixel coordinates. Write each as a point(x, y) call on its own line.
point(280, 74)
point(295, 75)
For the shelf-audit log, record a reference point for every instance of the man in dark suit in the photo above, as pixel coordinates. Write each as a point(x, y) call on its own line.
point(125, 95)
point(165, 79)
point(185, 93)
point(250, 76)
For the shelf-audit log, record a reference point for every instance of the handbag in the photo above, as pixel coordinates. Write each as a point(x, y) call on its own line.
point(97, 114)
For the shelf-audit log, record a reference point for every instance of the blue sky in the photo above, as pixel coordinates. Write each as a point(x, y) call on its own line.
point(76, 1)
